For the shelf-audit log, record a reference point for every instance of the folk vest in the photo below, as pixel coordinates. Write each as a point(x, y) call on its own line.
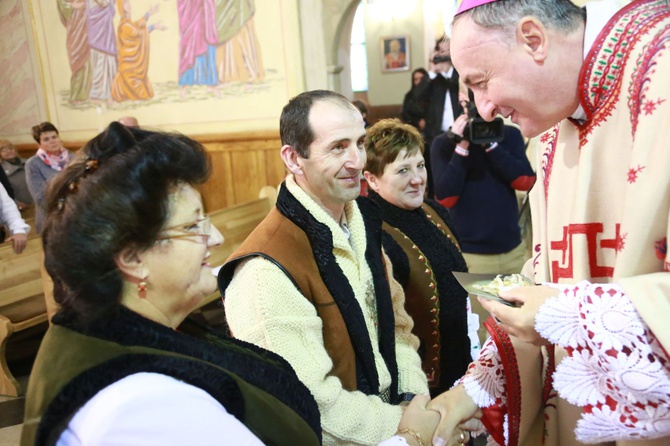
point(302, 248)
point(74, 363)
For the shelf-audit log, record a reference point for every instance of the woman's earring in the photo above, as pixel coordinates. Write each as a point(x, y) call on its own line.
point(142, 288)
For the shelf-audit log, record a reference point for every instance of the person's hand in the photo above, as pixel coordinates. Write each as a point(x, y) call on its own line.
point(19, 242)
point(153, 9)
point(21, 205)
point(459, 125)
point(419, 419)
point(159, 25)
point(520, 321)
point(458, 415)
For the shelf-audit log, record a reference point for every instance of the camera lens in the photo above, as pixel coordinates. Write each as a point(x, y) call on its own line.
point(481, 129)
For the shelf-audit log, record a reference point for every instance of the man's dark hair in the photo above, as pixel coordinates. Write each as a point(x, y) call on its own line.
point(295, 129)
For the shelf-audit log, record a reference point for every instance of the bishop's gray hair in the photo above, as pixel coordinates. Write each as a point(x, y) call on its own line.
point(505, 14)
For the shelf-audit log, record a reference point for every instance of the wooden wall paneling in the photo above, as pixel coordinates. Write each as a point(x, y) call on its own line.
point(242, 164)
point(276, 170)
point(262, 179)
point(217, 192)
point(246, 173)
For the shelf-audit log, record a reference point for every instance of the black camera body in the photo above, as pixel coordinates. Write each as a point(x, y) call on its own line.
point(479, 131)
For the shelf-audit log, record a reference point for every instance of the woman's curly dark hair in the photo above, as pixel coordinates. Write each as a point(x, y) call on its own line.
point(114, 195)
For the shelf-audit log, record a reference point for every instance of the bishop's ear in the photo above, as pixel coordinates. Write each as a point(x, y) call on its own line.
point(532, 35)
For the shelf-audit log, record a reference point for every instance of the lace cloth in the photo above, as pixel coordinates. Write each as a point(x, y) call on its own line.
point(616, 369)
point(484, 382)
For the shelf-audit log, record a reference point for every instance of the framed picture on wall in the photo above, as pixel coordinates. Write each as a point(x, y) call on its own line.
point(395, 53)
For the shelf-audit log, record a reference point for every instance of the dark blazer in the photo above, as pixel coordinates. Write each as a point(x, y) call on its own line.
point(436, 97)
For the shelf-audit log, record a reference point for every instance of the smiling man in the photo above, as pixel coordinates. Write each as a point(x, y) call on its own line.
point(593, 83)
point(312, 283)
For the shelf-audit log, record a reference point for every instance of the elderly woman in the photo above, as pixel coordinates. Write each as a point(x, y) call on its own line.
point(126, 244)
point(14, 167)
point(51, 158)
point(422, 248)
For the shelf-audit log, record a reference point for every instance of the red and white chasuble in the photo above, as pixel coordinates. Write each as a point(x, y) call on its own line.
point(601, 213)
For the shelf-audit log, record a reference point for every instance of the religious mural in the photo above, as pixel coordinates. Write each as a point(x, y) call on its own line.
point(217, 45)
point(21, 106)
point(169, 61)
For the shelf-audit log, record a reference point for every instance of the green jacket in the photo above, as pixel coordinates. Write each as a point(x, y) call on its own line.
point(74, 362)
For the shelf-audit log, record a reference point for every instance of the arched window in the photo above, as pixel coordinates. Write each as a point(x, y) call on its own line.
point(357, 55)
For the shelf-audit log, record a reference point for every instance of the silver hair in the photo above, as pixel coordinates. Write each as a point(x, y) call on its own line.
point(504, 15)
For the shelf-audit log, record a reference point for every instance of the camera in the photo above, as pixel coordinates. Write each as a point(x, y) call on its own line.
point(479, 131)
point(441, 58)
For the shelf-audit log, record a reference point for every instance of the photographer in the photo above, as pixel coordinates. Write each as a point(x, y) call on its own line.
point(441, 98)
point(477, 182)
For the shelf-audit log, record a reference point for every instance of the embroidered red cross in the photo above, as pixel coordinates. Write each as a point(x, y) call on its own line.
point(591, 231)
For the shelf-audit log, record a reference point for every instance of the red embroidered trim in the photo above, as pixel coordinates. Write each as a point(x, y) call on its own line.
point(601, 74)
point(512, 378)
point(449, 202)
point(550, 137)
point(644, 67)
point(549, 375)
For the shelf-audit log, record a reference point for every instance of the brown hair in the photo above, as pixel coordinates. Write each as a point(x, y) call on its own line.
point(295, 129)
point(386, 139)
point(41, 128)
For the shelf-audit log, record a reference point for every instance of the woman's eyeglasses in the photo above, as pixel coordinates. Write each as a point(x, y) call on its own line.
point(197, 231)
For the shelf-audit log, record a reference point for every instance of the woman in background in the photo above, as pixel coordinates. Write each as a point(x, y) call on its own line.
point(423, 250)
point(415, 102)
point(51, 158)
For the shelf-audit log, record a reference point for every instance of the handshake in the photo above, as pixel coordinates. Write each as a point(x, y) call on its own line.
point(446, 420)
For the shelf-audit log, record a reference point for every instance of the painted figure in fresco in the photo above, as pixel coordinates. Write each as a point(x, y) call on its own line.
point(101, 39)
point(197, 39)
point(238, 55)
point(73, 16)
point(131, 81)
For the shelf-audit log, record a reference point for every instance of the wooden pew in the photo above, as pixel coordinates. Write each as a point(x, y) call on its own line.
point(22, 302)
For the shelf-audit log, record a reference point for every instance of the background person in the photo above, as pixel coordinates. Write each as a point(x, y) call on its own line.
point(418, 238)
point(129, 121)
point(14, 167)
point(602, 116)
point(312, 284)
point(414, 103)
point(478, 183)
point(4, 180)
point(51, 158)
point(360, 105)
point(121, 364)
point(11, 218)
point(443, 104)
